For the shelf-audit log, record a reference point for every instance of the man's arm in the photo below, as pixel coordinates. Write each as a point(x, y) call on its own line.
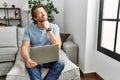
point(54, 39)
point(25, 54)
point(24, 50)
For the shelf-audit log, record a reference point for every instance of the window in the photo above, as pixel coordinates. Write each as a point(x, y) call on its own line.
point(109, 28)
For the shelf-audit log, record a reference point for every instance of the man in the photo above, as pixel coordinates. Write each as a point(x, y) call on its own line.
point(40, 33)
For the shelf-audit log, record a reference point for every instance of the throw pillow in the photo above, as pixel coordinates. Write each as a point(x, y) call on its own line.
point(64, 37)
point(8, 36)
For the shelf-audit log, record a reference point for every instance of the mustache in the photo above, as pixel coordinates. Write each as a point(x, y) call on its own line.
point(42, 21)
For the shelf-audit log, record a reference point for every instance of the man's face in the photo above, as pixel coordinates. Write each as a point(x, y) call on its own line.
point(41, 15)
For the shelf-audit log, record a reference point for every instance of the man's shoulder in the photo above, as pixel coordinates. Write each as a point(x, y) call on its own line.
point(30, 26)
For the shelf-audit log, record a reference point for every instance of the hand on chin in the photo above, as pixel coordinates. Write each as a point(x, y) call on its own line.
point(44, 24)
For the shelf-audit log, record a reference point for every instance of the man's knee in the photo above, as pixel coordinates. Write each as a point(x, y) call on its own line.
point(61, 64)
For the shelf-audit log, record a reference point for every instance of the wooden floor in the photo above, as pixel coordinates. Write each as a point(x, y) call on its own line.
point(89, 78)
point(81, 78)
point(3, 78)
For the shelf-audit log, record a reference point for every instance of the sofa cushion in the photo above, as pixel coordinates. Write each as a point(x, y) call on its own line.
point(7, 54)
point(20, 35)
point(8, 36)
point(70, 72)
point(5, 68)
point(64, 36)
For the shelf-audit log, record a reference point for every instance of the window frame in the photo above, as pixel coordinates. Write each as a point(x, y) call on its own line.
point(105, 51)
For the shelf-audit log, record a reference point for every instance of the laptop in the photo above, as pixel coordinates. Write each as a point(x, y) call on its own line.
point(45, 54)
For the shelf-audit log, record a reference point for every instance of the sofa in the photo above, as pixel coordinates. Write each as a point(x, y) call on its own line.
point(12, 64)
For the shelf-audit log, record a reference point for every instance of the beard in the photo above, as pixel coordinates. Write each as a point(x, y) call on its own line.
point(44, 18)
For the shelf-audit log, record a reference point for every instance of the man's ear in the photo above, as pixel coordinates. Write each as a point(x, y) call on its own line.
point(34, 18)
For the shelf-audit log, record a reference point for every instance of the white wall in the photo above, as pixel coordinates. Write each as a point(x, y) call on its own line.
point(80, 22)
point(75, 23)
point(59, 18)
point(92, 23)
point(84, 28)
point(105, 66)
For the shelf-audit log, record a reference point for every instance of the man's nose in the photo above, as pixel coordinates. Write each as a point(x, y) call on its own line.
point(43, 13)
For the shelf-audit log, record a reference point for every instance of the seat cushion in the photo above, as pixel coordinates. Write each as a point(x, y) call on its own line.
point(7, 54)
point(8, 36)
point(70, 72)
point(5, 68)
point(64, 36)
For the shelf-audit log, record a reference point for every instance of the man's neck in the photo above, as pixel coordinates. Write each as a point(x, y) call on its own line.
point(40, 25)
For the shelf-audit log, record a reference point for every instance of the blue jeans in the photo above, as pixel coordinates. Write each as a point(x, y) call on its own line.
point(55, 69)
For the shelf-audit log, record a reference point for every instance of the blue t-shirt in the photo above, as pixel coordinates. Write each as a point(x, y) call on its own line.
point(38, 36)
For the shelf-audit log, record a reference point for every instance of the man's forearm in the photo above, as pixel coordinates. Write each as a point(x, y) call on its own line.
point(24, 53)
point(54, 39)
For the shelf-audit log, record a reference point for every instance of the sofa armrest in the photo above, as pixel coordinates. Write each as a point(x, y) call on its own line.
point(71, 50)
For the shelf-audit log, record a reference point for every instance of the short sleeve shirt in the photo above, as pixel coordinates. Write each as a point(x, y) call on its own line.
point(38, 36)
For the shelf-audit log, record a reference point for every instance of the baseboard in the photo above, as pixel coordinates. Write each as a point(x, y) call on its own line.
point(2, 77)
point(91, 75)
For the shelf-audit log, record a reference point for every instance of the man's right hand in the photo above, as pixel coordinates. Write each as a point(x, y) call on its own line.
point(30, 63)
